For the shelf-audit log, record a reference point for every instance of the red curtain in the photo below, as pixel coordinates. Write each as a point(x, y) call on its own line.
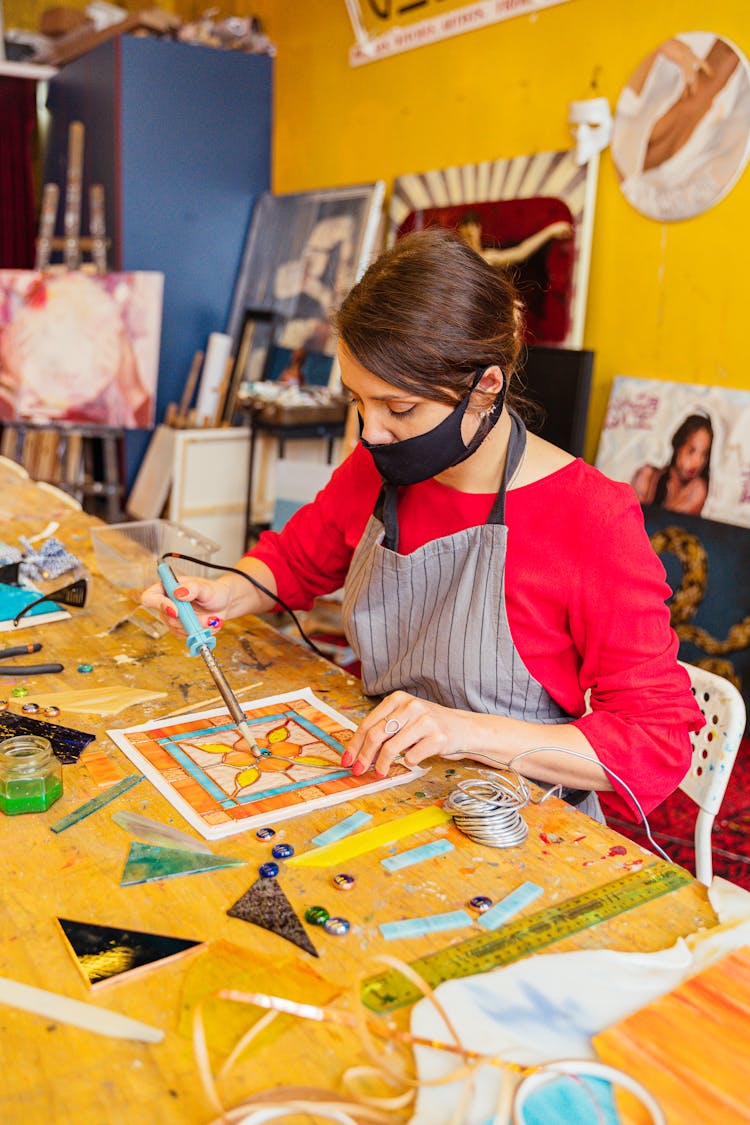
point(17, 204)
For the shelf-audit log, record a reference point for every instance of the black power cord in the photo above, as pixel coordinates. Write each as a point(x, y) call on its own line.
point(253, 582)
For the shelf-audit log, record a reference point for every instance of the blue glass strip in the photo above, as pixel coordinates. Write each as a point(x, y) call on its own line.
point(414, 927)
point(416, 855)
point(97, 802)
point(342, 828)
point(510, 905)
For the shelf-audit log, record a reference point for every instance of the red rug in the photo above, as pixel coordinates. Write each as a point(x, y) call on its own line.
point(673, 824)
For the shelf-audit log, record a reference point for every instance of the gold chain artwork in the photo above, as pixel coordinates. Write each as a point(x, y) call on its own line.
point(691, 556)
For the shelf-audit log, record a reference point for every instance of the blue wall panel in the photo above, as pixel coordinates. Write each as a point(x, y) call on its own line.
point(181, 137)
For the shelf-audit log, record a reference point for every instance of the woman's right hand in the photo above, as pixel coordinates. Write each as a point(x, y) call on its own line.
point(209, 597)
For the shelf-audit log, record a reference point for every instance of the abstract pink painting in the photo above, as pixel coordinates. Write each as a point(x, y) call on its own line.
point(79, 347)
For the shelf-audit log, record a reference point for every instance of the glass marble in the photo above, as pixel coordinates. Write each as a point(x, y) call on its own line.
point(343, 882)
point(316, 915)
point(337, 926)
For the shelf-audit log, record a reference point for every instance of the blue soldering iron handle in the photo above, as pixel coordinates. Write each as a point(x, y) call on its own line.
point(197, 636)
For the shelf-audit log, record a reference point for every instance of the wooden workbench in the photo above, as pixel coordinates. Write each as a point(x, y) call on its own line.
point(54, 1073)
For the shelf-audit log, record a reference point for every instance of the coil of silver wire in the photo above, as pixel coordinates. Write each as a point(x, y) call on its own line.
point(489, 811)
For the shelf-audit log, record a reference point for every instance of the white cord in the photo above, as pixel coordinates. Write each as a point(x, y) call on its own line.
point(611, 773)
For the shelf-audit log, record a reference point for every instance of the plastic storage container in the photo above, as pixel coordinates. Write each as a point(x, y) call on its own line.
point(127, 553)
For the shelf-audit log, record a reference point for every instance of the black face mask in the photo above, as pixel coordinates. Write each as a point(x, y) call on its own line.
point(427, 455)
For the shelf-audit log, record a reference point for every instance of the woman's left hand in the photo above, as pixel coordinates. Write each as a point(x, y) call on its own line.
point(410, 728)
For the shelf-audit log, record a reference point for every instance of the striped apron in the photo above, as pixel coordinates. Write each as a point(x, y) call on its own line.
point(434, 623)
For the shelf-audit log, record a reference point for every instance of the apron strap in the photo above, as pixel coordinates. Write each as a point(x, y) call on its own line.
point(386, 512)
point(516, 450)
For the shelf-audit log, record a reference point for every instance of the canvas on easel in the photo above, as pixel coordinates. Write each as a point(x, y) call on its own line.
point(78, 345)
point(203, 766)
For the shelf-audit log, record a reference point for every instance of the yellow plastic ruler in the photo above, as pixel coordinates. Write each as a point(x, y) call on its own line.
point(389, 990)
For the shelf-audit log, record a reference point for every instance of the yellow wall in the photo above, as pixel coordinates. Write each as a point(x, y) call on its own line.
point(666, 301)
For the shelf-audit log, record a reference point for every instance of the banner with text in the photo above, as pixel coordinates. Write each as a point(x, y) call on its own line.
point(388, 27)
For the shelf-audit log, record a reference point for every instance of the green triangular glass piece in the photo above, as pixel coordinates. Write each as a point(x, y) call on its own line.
point(146, 863)
point(104, 952)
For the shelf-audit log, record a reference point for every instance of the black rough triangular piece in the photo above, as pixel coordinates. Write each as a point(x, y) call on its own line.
point(265, 905)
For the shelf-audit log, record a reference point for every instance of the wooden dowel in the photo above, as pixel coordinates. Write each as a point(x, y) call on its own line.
point(190, 382)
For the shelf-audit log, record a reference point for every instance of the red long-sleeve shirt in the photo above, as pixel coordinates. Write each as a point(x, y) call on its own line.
point(585, 596)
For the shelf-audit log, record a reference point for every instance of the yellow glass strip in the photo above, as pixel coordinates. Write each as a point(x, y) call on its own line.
point(371, 838)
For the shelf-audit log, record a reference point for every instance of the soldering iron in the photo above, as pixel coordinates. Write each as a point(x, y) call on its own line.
point(202, 642)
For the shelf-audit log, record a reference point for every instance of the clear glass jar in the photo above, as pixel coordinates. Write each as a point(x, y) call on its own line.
point(30, 775)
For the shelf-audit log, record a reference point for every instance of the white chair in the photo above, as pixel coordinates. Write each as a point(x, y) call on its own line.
point(714, 751)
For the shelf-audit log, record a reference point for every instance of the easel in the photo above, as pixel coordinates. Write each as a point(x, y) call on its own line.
point(86, 461)
point(72, 244)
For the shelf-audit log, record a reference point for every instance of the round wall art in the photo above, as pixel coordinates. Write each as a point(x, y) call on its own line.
point(681, 135)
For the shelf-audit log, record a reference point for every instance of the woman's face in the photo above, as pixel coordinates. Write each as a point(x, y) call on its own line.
point(692, 456)
point(388, 413)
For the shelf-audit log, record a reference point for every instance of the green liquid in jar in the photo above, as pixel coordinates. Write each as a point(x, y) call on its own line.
point(29, 796)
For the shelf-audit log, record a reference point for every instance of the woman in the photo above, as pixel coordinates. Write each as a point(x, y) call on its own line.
point(682, 485)
point(490, 579)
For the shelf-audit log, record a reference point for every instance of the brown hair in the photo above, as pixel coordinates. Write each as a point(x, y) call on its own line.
point(428, 313)
point(692, 424)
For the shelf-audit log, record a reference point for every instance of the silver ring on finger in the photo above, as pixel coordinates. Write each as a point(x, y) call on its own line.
point(392, 726)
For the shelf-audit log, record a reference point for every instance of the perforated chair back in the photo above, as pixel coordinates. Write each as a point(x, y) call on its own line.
point(714, 752)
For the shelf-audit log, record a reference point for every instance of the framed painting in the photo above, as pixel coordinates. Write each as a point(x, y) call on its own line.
point(79, 347)
point(681, 135)
point(201, 764)
point(252, 353)
point(530, 214)
point(683, 447)
point(304, 251)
